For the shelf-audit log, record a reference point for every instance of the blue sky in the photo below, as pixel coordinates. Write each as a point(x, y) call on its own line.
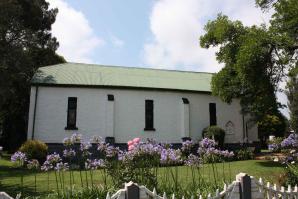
point(123, 26)
point(148, 33)
point(151, 33)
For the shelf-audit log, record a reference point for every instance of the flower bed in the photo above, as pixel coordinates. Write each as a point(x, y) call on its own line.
point(289, 147)
point(141, 163)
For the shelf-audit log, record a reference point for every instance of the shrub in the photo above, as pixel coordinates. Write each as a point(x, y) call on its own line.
point(291, 175)
point(244, 154)
point(216, 133)
point(35, 149)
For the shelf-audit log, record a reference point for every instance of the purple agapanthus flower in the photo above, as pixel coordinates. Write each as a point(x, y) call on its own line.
point(19, 157)
point(112, 151)
point(60, 166)
point(69, 153)
point(170, 156)
point(51, 162)
point(273, 147)
point(207, 143)
point(67, 142)
point(46, 166)
point(76, 138)
point(96, 139)
point(102, 146)
point(194, 161)
point(85, 146)
point(227, 154)
point(187, 146)
point(94, 164)
point(33, 164)
point(53, 158)
point(290, 141)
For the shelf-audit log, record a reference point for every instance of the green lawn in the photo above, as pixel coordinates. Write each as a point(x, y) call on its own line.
point(10, 176)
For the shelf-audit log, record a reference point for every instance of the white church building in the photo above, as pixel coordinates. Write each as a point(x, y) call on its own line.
point(121, 103)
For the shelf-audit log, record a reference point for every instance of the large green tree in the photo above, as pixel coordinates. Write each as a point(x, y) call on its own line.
point(26, 43)
point(292, 93)
point(255, 57)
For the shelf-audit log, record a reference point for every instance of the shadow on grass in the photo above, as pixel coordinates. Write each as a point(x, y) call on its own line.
point(25, 191)
point(270, 164)
point(8, 171)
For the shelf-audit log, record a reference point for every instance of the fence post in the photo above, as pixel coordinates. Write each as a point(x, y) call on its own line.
point(248, 187)
point(245, 185)
point(132, 191)
point(4, 195)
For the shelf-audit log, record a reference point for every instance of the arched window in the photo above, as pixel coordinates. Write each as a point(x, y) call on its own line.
point(230, 127)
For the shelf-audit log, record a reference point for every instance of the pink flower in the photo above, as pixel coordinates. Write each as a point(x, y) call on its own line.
point(129, 143)
point(131, 147)
point(136, 140)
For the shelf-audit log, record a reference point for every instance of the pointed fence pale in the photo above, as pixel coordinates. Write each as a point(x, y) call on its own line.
point(244, 187)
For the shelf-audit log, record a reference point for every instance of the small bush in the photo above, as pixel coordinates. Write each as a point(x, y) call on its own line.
point(291, 175)
point(35, 149)
point(245, 154)
point(216, 133)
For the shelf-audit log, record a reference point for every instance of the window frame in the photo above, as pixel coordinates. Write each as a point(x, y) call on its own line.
point(149, 113)
point(212, 114)
point(69, 125)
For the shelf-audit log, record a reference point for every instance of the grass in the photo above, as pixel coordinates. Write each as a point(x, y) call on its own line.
point(10, 176)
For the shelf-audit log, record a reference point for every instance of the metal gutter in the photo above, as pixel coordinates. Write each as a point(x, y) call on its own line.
point(34, 113)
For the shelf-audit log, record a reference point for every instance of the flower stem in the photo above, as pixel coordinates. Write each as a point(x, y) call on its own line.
point(81, 178)
point(35, 182)
point(58, 191)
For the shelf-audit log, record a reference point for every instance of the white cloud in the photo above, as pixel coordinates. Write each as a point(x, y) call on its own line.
point(117, 42)
point(77, 39)
point(177, 24)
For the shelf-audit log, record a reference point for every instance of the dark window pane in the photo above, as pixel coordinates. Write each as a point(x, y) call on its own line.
point(71, 118)
point(149, 114)
point(72, 112)
point(212, 113)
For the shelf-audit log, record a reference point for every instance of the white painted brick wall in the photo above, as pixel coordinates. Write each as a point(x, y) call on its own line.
point(129, 118)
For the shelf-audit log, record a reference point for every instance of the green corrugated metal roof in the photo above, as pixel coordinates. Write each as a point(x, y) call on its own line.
point(101, 75)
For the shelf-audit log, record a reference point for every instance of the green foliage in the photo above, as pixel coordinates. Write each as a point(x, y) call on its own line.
point(26, 43)
point(292, 93)
point(291, 175)
point(272, 125)
point(244, 154)
point(35, 149)
point(139, 169)
point(216, 133)
point(255, 57)
point(87, 192)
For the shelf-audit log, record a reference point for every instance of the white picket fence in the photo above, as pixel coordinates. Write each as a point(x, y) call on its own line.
point(275, 192)
point(145, 193)
point(4, 195)
point(244, 187)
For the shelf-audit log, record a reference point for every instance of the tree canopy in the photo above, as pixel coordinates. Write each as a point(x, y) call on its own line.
point(292, 94)
point(26, 43)
point(255, 57)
